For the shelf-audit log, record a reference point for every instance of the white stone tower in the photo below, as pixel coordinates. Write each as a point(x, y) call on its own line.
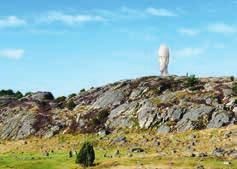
point(164, 55)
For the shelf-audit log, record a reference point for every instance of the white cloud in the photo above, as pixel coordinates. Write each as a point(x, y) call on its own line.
point(189, 52)
point(188, 31)
point(133, 13)
point(160, 12)
point(221, 28)
point(12, 53)
point(70, 19)
point(12, 21)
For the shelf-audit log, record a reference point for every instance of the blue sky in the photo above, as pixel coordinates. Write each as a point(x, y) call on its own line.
point(66, 45)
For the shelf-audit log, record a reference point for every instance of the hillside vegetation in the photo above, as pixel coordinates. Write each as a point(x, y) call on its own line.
point(149, 122)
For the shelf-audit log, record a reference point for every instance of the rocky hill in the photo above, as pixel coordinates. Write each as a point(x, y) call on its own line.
point(163, 104)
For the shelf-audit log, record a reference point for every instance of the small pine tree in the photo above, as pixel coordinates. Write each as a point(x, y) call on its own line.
point(18, 95)
point(191, 81)
point(70, 154)
point(86, 156)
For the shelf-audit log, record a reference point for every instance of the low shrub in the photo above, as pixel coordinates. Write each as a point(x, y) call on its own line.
point(71, 105)
point(10, 92)
point(191, 81)
point(60, 99)
point(72, 95)
point(82, 90)
point(86, 156)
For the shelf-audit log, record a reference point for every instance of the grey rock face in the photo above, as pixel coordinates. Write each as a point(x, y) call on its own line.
point(137, 93)
point(219, 119)
point(122, 116)
point(110, 98)
point(162, 103)
point(51, 132)
point(146, 114)
point(192, 116)
point(175, 114)
point(19, 126)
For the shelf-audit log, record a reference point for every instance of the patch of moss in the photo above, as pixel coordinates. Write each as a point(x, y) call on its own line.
point(156, 101)
point(170, 123)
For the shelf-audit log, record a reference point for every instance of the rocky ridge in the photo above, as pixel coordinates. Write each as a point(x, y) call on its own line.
point(165, 104)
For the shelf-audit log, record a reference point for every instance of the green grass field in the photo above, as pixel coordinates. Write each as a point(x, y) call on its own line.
point(62, 161)
point(28, 154)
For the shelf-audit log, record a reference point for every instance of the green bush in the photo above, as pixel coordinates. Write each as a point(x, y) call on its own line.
point(72, 95)
point(191, 81)
point(232, 78)
point(60, 99)
point(234, 88)
point(10, 92)
point(82, 90)
point(18, 95)
point(86, 156)
point(71, 105)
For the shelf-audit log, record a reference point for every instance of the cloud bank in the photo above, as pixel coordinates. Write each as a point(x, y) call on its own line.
point(221, 28)
point(12, 21)
point(189, 52)
point(12, 53)
point(70, 19)
point(160, 12)
point(188, 31)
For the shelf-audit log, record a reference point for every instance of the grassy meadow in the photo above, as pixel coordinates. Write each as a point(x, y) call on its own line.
point(30, 153)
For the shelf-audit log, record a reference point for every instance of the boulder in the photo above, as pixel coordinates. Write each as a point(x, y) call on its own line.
point(112, 97)
point(227, 92)
point(164, 129)
point(232, 154)
point(193, 116)
point(218, 152)
point(39, 96)
point(175, 113)
point(120, 139)
point(137, 150)
point(219, 119)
